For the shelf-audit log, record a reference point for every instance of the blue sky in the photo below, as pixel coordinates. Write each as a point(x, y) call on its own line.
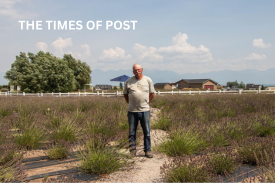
point(182, 36)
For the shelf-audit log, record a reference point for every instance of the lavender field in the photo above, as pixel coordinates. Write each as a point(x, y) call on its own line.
point(208, 135)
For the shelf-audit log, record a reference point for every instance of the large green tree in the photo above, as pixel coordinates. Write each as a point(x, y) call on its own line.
point(82, 71)
point(236, 84)
point(42, 72)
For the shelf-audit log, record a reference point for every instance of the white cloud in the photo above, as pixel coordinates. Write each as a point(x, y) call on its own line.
point(255, 56)
point(86, 49)
point(181, 50)
point(146, 53)
point(259, 43)
point(60, 44)
point(7, 8)
point(42, 46)
point(114, 55)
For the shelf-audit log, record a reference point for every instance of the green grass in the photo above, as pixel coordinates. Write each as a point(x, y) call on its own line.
point(183, 142)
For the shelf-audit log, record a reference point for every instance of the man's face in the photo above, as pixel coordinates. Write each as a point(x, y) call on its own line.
point(137, 70)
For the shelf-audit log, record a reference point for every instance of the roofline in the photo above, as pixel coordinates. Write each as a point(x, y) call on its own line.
point(199, 79)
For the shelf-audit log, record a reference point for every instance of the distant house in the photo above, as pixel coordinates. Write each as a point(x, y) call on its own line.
point(251, 86)
point(166, 86)
point(103, 87)
point(197, 83)
point(270, 88)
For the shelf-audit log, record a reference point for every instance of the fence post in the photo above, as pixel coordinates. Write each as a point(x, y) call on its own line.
point(259, 90)
point(189, 92)
point(59, 94)
point(52, 93)
point(179, 91)
point(240, 91)
point(102, 93)
point(116, 93)
point(172, 92)
point(159, 92)
point(38, 94)
point(85, 94)
point(199, 92)
point(97, 92)
point(6, 93)
point(41, 94)
point(78, 93)
point(68, 93)
point(219, 90)
point(23, 93)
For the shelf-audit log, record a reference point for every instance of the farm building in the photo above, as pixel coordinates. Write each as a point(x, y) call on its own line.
point(166, 86)
point(197, 83)
point(103, 87)
point(251, 86)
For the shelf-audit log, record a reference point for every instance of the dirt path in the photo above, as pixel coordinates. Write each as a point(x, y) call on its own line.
point(143, 169)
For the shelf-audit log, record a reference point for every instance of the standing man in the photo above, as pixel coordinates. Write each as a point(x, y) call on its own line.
point(138, 93)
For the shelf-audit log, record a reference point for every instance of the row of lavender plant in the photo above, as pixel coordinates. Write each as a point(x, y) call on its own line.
point(226, 131)
point(57, 124)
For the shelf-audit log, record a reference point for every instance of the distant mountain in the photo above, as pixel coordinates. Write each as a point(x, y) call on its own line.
point(160, 76)
point(3, 81)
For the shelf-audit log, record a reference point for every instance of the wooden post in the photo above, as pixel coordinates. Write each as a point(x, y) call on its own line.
point(159, 92)
point(52, 93)
point(23, 93)
point(102, 93)
point(189, 92)
point(85, 94)
point(68, 93)
point(41, 94)
point(199, 92)
point(97, 92)
point(59, 94)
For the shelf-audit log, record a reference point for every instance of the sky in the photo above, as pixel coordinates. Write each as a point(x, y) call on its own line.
point(184, 36)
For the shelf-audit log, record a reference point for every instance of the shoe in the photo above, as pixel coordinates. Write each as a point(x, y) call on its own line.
point(148, 154)
point(133, 153)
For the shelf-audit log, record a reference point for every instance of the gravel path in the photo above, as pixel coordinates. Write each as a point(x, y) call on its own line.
point(142, 169)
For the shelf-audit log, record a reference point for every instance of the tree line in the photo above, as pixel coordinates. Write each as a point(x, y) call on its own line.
point(44, 72)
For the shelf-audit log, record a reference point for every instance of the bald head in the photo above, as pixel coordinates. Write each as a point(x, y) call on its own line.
point(137, 70)
point(136, 66)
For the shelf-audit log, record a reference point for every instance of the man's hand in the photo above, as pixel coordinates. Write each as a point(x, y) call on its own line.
point(126, 98)
point(151, 96)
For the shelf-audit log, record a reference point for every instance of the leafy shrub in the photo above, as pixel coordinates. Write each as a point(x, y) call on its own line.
point(58, 152)
point(164, 122)
point(222, 163)
point(30, 138)
point(67, 130)
point(5, 112)
point(186, 171)
point(251, 148)
point(182, 142)
point(98, 158)
point(11, 168)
